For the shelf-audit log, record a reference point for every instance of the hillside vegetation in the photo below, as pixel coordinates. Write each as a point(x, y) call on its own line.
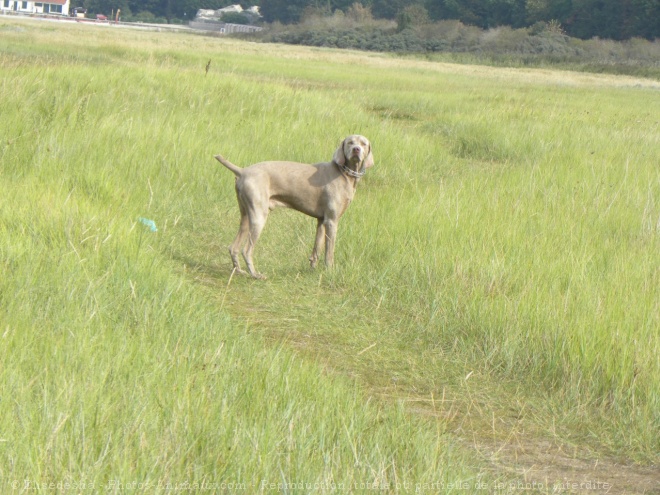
point(544, 44)
point(497, 287)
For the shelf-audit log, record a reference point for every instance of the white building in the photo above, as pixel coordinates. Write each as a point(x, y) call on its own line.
point(49, 7)
point(232, 9)
point(211, 20)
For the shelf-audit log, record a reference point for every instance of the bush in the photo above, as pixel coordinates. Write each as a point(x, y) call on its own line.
point(235, 18)
point(144, 16)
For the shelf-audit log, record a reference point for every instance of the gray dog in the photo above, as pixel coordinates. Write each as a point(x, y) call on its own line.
point(322, 191)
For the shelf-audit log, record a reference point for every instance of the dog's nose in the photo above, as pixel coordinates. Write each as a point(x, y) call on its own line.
point(356, 150)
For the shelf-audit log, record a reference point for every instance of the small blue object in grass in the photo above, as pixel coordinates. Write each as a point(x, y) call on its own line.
point(149, 223)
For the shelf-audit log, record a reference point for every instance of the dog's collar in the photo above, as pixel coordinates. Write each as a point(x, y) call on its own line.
point(348, 171)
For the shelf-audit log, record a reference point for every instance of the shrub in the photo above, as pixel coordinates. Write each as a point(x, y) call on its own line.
point(144, 16)
point(235, 18)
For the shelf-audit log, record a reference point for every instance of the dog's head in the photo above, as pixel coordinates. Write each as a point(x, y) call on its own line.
point(354, 151)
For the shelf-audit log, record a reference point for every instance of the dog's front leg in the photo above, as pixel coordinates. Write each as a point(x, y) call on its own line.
point(318, 243)
point(330, 235)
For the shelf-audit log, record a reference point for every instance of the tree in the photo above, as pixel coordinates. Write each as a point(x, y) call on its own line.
point(359, 13)
point(342, 5)
point(235, 18)
point(504, 12)
point(159, 8)
point(389, 9)
point(187, 9)
point(286, 12)
point(107, 7)
point(411, 16)
point(591, 18)
point(644, 20)
point(475, 12)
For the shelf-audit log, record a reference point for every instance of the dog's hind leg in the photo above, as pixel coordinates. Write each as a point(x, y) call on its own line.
point(235, 247)
point(257, 221)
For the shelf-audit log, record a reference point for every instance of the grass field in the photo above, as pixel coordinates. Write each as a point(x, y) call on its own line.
point(493, 319)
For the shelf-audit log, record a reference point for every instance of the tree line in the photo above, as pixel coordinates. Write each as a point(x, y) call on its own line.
point(610, 19)
point(165, 10)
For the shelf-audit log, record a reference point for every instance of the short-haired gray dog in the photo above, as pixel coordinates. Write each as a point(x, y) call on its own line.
point(322, 191)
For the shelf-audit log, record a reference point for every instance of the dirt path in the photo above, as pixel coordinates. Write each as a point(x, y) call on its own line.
point(547, 465)
point(550, 466)
point(510, 447)
point(540, 465)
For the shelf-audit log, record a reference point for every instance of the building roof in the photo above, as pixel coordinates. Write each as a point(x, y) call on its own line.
point(56, 2)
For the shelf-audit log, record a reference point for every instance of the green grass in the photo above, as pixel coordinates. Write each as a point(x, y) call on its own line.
point(497, 273)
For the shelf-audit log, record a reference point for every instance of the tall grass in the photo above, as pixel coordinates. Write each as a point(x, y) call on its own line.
point(500, 260)
point(118, 371)
point(531, 246)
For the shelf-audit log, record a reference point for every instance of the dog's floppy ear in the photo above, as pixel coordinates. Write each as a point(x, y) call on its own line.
point(339, 157)
point(369, 160)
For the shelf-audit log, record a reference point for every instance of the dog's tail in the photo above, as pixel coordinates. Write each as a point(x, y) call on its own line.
point(237, 170)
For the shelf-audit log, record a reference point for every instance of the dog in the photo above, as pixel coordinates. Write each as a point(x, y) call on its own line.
point(323, 191)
